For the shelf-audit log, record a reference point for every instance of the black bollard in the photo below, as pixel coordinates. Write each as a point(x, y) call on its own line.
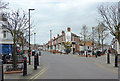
point(2, 79)
point(35, 62)
point(108, 58)
point(25, 67)
point(86, 54)
point(40, 53)
point(116, 60)
point(95, 54)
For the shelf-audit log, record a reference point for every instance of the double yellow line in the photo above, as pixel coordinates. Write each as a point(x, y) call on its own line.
point(38, 74)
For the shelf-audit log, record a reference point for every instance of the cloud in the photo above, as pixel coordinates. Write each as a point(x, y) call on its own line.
point(57, 15)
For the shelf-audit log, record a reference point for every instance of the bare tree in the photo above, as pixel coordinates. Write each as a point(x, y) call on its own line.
point(103, 33)
point(17, 23)
point(111, 18)
point(3, 5)
point(84, 34)
point(97, 36)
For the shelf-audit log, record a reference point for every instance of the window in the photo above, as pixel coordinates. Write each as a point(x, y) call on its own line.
point(4, 34)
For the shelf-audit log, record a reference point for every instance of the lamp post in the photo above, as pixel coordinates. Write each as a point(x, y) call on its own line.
point(29, 37)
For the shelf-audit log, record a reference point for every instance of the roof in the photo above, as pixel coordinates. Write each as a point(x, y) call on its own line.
point(89, 43)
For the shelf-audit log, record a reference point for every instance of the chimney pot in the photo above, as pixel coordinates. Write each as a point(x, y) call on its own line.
point(57, 35)
point(63, 32)
point(68, 29)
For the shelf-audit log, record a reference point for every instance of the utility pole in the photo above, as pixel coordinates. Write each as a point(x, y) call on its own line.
point(50, 34)
point(51, 39)
point(93, 39)
point(34, 41)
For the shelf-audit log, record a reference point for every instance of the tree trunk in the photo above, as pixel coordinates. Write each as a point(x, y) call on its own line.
point(119, 45)
point(22, 43)
point(102, 45)
point(98, 44)
point(14, 52)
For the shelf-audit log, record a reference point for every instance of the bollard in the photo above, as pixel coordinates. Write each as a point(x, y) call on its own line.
point(96, 55)
point(29, 59)
point(108, 58)
point(116, 60)
point(86, 54)
point(40, 53)
point(25, 67)
point(1, 70)
point(35, 62)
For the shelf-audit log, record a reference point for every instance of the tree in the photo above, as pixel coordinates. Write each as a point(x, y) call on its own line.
point(84, 34)
point(17, 24)
point(101, 34)
point(3, 5)
point(111, 19)
point(97, 35)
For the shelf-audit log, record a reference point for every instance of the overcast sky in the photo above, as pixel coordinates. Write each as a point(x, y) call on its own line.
point(57, 15)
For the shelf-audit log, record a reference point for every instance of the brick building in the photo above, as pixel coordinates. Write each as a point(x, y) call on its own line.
point(57, 44)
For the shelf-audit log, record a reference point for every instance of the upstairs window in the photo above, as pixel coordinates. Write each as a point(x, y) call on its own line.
point(4, 34)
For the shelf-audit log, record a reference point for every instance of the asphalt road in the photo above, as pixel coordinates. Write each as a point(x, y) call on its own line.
point(57, 66)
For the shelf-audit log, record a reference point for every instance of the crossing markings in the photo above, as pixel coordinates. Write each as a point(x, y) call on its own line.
point(105, 68)
point(38, 74)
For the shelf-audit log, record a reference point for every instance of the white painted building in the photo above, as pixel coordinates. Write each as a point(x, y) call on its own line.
point(6, 40)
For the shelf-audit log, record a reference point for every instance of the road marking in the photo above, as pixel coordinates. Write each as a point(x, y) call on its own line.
point(101, 66)
point(38, 74)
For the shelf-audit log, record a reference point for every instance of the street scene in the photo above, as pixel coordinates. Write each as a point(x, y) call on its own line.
point(59, 40)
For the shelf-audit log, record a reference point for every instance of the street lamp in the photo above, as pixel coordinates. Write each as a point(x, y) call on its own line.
point(29, 37)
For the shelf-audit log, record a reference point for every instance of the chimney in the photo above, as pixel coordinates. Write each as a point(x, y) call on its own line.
point(57, 35)
point(68, 29)
point(63, 32)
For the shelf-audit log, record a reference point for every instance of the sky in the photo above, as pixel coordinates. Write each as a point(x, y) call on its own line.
point(57, 15)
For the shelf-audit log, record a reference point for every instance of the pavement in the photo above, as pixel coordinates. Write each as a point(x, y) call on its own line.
point(30, 71)
point(61, 66)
